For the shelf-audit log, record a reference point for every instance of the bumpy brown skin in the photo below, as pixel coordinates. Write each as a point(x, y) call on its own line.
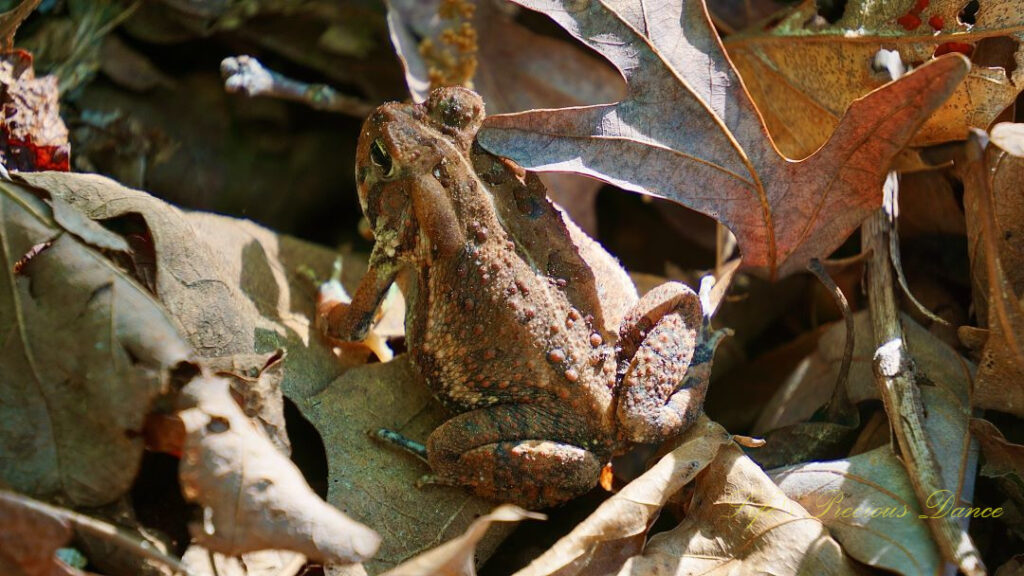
point(512, 313)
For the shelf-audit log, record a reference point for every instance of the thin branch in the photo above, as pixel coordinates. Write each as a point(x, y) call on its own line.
point(246, 75)
point(895, 376)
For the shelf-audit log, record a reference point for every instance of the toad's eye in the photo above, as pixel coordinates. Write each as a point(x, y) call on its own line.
point(380, 158)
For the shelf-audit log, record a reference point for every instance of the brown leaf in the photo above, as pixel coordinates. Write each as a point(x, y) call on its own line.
point(992, 203)
point(618, 528)
point(253, 497)
point(869, 506)
point(741, 523)
point(12, 19)
point(87, 351)
point(690, 133)
point(30, 539)
point(456, 556)
point(804, 72)
point(1003, 459)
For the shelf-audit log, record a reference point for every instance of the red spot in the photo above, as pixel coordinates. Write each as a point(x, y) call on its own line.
point(920, 5)
point(909, 21)
point(965, 49)
point(936, 22)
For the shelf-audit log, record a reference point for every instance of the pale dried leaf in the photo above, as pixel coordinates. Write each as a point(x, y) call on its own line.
point(456, 557)
point(741, 523)
point(86, 352)
point(253, 497)
point(869, 506)
point(803, 72)
point(618, 528)
point(688, 132)
point(199, 560)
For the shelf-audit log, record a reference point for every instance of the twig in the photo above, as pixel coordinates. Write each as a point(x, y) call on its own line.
point(98, 528)
point(245, 74)
point(895, 376)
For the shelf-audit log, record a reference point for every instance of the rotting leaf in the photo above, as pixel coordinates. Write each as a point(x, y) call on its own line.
point(618, 528)
point(741, 523)
point(32, 134)
point(86, 352)
point(1004, 460)
point(253, 497)
point(456, 556)
point(804, 72)
point(689, 132)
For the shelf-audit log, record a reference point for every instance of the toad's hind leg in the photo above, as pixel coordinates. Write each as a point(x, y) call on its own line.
point(500, 453)
point(666, 349)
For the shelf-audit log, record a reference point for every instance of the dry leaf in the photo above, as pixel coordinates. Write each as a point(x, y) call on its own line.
point(87, 351)
point(1004, 460)
point(253, 497)
point(741, 523)
point(690, 133)
point(30, 539)
point(992, 201)
point(261, 563)
point(803, 72)
point(618, 528)
point(869, 506)
point(810, 383)
point(456, 557)
point(12, 19)
point(377, 483)
point(257, 276)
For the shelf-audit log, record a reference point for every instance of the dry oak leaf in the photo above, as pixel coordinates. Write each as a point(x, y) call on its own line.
point(740, 522)
point(253, 496)
point(803, 72)
point(1004, 460)
point(86, 351)
point(689, 132)
point(618, 528)
point(456, 557)
point(993, 182)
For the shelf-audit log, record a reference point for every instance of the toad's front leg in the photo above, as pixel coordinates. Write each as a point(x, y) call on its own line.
point(505, 453)
point(665, 353)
